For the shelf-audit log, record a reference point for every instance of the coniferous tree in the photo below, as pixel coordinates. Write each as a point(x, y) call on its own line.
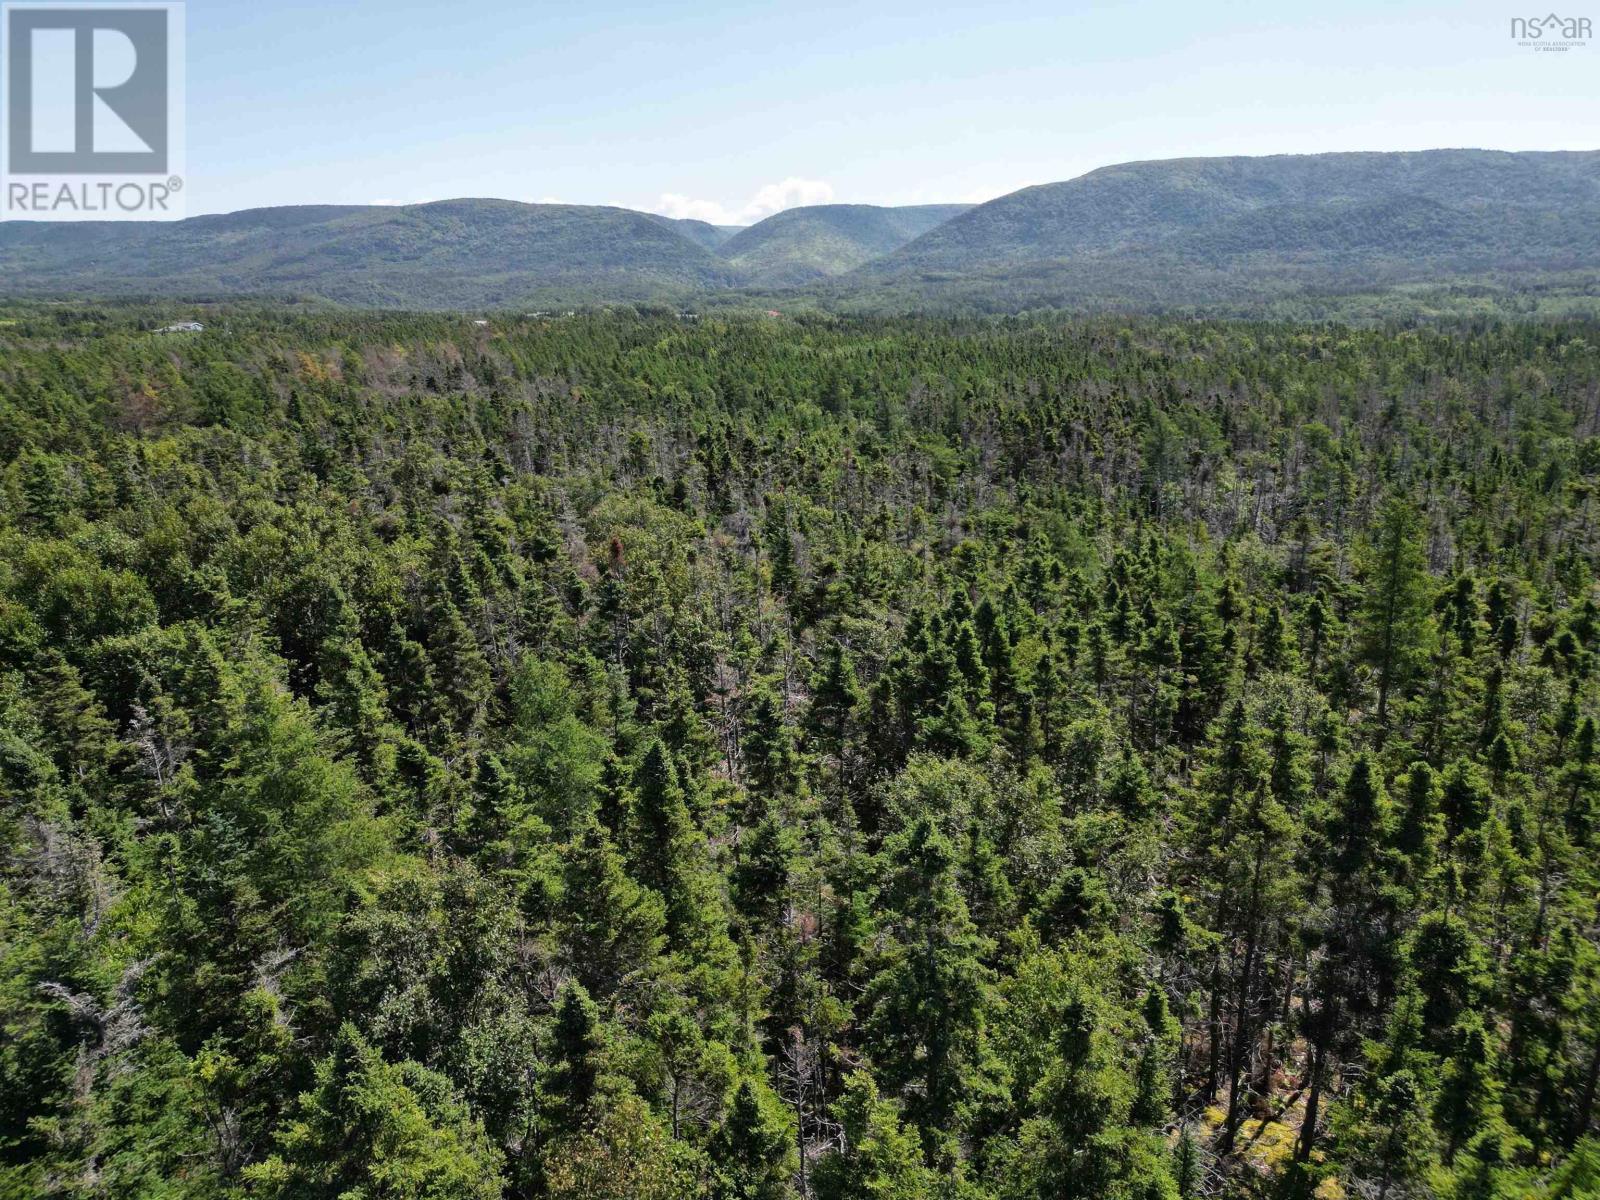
point(878, 1155)
point(752, 1152)
point(370, 1127)
point(572, 1084)
point(1394, 611)
point(927, 1004)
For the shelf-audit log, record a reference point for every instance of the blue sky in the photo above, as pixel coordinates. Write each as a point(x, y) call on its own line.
point(729, 111)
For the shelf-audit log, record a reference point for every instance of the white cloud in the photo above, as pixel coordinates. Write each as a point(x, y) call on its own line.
point(680, 207)
point(769, 199)
point(791, 193)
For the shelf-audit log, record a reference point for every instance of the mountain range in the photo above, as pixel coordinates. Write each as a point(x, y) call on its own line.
point(1147, 234)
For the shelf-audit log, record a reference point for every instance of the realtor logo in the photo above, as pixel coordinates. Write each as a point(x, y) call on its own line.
point(93, 100)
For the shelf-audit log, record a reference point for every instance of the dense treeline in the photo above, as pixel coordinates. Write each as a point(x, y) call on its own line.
point(747, 759)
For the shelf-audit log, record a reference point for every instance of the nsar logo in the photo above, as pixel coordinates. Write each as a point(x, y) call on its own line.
point(1552, 32)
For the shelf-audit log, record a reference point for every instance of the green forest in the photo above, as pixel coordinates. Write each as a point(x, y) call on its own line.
point(797, 759)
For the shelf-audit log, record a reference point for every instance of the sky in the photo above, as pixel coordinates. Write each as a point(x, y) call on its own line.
point(729, 112)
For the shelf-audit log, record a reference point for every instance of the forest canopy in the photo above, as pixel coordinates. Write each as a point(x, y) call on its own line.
point(624, 756)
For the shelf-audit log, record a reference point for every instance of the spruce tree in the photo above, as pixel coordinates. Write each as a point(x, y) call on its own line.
point(1394, 610)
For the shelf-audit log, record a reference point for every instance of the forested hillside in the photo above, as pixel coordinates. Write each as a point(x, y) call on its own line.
point(800, 245)
point(616, 757)
point(1236, 232)
point(448, 254)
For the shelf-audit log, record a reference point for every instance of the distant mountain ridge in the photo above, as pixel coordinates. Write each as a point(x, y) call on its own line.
point(800, 245)
point(450, 253)
point(703, 233)
point(1195, 232)
point(1197, 228)
point(447, 254)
